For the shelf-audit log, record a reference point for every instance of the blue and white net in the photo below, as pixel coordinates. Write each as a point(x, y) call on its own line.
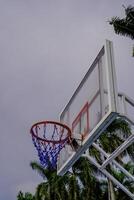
point(49, 138)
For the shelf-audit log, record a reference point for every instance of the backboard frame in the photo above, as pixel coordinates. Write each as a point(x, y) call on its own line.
point(108, 117)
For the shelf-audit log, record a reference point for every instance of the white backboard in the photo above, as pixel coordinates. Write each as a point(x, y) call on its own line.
point(92, 107)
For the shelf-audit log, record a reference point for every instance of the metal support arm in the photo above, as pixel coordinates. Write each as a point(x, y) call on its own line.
point(108, 175)
point(119, 150)
point(114, 162)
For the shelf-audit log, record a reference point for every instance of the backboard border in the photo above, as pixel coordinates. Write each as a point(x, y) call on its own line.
point(112, 99)
point(94, 134)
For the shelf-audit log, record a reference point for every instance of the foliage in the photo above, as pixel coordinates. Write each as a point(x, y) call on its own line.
point(26, 196)
point(124, 26)
point(54, 186)
point(85, 181)
point(109, 141)
point(128, 183)
point(91, 187)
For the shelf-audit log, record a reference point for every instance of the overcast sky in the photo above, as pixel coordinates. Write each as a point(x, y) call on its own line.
point(46, 47)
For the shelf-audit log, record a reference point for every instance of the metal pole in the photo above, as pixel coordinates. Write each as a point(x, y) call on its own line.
point(108, 175)
point(114, 162)
point(120, 149)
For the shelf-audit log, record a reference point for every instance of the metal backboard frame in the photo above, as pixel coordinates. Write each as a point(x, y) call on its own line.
point(107, 118)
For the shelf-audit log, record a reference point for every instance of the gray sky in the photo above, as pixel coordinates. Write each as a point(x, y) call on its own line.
point(46, 48)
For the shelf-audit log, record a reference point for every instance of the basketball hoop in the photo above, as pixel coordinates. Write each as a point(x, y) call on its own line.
point(49, 137)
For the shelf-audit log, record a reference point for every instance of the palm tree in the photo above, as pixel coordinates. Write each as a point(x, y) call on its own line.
point(85, 182)
point(74, 189)
point(20, 196)
point(126, 182)
point(113, 137)
point(26, 196)
point(91, 187)
point(124, 26)
point(70, 186)
point(55, 187)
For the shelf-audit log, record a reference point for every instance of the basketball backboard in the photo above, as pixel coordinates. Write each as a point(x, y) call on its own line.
point(92, 107)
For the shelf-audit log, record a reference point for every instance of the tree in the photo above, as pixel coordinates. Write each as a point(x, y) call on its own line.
point(126, 182)
point(26, 196)
point(74, 190)
point(71, 186)
point(124, 26)
point(113, 137)
point(91, 187)
point(54, 186)
point(85, 181)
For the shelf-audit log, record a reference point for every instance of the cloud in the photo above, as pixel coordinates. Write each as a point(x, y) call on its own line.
point(46, 47)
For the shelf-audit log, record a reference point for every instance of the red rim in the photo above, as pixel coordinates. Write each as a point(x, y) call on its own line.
point(54, 123)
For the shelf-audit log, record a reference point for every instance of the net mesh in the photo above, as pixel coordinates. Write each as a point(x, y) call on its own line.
point(49, 138)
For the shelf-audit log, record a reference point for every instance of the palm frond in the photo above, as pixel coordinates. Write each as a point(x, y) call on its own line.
point(129, 167)
point(42, 191)
point(74, 188)
point(129, 11)
point(120, 125)
point(45, 173)
point(130, 151)
point(95, 154)
point(124, 26)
